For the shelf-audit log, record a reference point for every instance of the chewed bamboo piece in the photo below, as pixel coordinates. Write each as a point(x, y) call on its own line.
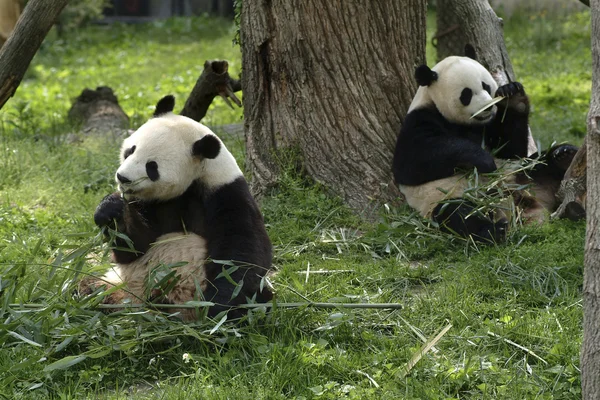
point(491, 103)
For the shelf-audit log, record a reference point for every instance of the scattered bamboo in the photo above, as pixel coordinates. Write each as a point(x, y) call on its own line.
point(326, 271)
point(518, 346)
point(423, 350)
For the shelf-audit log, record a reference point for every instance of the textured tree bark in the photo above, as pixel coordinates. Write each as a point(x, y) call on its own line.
point(590, 353)
point(16, 54)
point(214, 81)
point(332, 79)
point(474, 23)
point(573, 189)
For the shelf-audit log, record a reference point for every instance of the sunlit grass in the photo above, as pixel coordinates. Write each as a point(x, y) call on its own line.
point(515, 308)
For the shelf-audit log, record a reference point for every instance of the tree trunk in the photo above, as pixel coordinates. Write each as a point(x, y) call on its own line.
point(16, 54)
point(332, 79)
point(590, 353)
point(473, 24)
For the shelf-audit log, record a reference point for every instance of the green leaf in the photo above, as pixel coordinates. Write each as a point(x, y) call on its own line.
point(64, 363)
point(23, 339)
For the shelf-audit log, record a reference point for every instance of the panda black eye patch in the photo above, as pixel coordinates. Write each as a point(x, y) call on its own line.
point(152, 170)
point(465, 96)
point(486, 87)
point(128, 152)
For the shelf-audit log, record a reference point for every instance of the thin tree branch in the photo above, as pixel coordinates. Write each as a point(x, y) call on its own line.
point(18, 51)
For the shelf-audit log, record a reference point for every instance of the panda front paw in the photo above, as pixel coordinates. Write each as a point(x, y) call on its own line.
point(514, 97)
point(511, 89)
point(110, 209)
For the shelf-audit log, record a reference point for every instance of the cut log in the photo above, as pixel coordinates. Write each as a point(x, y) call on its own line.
point(214, 81)
point(573, 189)
point(99, 112)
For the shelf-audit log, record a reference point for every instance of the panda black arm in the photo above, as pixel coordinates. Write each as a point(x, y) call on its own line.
point(428, 148)
point(115, 213)
point(508, 134)
point(235, 232)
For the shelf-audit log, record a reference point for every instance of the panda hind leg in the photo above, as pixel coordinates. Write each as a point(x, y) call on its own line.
point(562, 155)
point(462, 219)
point(554, 162)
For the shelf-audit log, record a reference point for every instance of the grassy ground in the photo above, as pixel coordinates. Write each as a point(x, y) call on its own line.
point(510, 316)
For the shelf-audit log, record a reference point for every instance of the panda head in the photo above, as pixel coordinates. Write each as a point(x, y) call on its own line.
point(458, 87)
point(162, 159)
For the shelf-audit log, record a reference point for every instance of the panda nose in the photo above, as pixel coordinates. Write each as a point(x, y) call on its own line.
point(122, 179)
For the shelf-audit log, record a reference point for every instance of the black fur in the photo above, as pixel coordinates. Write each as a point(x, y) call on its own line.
point(430, 147)
point(235, 231)
point(470, 52)
point(164, 105)
point(208, 147)
point(460, 217)
point(425, 76)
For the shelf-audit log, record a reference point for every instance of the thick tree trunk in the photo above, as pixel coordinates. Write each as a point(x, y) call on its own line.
point(332, 79)
point(16, 54)
point(463, 23)
point(590, 353)
point(473, 22)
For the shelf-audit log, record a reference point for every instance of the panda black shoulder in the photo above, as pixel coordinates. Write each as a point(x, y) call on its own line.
point(422, 119)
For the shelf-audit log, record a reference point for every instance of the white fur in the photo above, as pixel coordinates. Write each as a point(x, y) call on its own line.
point(168, 140)
point(424, 198)
point(169, 249)
point(454, 75)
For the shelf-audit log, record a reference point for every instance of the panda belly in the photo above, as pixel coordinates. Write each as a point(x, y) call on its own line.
point(424, 198)
point(169, 249)
point(534, 202)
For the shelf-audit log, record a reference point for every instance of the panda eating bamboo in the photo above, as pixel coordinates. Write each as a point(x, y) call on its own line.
point(183, 205)
point(444, 140)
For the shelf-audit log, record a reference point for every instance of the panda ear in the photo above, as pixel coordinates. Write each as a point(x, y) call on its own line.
point(425, 76)
point(164, 105)
point(470, 51)
point(208, 147)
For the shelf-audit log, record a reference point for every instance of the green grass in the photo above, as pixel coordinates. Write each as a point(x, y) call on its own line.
point(515, 309)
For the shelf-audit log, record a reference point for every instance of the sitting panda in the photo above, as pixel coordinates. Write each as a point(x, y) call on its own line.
point(441, 141)
point(183, 204)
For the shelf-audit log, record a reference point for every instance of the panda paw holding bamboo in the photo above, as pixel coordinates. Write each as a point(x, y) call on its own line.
point(453, 127)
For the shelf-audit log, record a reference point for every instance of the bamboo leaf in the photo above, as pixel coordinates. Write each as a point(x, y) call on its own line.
point(23, 339)
point(64, 363)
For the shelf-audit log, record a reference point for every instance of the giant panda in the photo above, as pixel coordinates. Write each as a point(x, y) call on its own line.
point(183, 204)
point(441, 141)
